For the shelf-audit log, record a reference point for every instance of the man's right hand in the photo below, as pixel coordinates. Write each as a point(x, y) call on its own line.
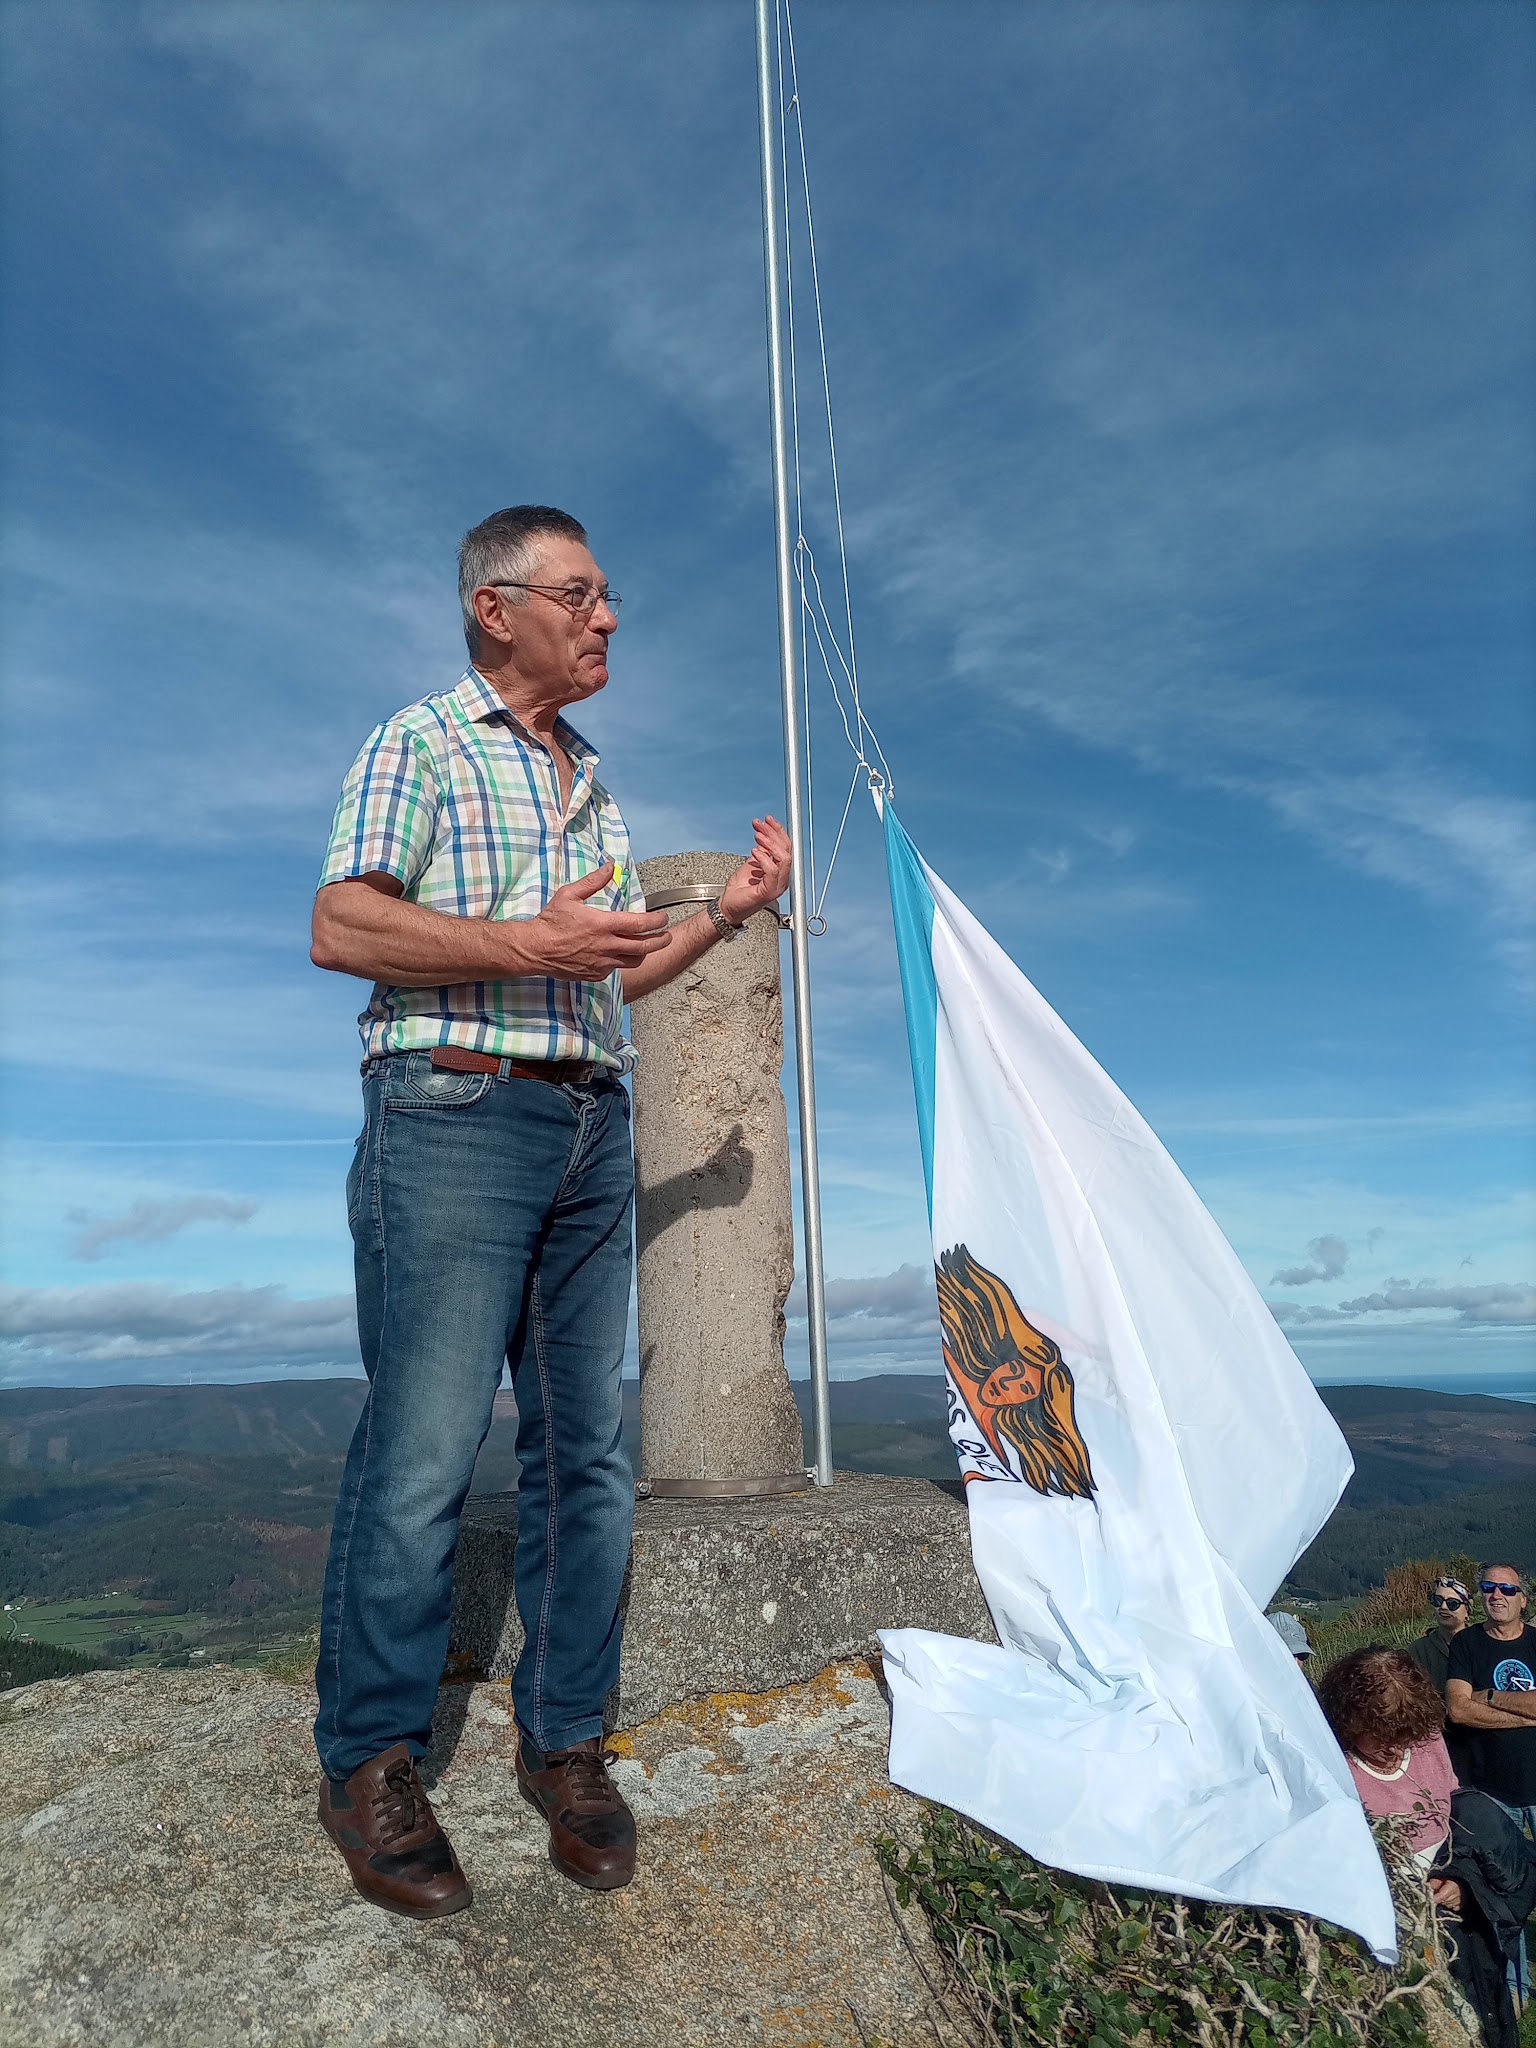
point(577, 943)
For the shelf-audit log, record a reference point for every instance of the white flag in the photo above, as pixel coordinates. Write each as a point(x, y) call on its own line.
point(1145, 1459)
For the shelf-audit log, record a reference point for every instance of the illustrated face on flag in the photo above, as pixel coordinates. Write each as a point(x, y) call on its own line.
point(1144, 1458)
point(1011, 1406)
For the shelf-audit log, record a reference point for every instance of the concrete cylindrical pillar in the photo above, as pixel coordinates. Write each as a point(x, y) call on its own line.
point(712, 1209)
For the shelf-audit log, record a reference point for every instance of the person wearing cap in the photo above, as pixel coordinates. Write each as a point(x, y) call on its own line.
point(1451, 1604)
point(1294, 1636)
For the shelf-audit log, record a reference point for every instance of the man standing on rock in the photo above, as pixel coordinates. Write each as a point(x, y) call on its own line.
point(479, 875)
point(1491, 1687)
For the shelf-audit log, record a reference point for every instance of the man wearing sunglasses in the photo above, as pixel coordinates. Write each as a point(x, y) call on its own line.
point(1490, 1688)
point(479, 875)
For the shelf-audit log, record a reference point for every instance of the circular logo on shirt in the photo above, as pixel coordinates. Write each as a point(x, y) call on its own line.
point(1513, 1676)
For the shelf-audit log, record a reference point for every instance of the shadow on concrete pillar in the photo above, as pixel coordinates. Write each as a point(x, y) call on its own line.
point(712, 1209)
point(725, 1593)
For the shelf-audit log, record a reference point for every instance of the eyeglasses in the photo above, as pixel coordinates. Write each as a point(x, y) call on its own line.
point(580, 602)
point(1497, 1586)
point(1443, 1600)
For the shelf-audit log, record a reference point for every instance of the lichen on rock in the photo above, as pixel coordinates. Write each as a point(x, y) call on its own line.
point(168, 1886)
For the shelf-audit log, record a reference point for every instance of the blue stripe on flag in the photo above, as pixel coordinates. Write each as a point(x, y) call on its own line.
point(912, 911)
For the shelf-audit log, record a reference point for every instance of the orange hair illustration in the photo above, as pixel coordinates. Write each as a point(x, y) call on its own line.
point(1011, 1377)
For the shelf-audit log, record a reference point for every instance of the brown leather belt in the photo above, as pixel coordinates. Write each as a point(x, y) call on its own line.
point(460, 1060)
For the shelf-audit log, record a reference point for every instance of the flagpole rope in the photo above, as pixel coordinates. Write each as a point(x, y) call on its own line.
point(794, 430)
point(816, 621)
point(826, 385)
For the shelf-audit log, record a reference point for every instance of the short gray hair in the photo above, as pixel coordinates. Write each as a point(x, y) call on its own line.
point(1494, 1564)
point(504, 549)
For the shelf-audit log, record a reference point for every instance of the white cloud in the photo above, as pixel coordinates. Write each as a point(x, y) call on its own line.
point(222, 1044)
point(138, 1325)
point(1494, 1302)
point(1134, 485)
point(1329, 1257)
point(1421, 828)
point(1296, 1315)
point(1174, 454)
point(151, 1222)
point(909, 1291)
point(888, 1322)
point(1497, 1304)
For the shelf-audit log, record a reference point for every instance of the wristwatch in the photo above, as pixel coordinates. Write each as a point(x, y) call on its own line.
point(721, 922)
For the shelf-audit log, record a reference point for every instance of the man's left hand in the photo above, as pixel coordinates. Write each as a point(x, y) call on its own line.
point(762, 877)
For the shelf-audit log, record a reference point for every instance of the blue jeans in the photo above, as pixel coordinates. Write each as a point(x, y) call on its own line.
point(1524, 1818)
point(491, 1224)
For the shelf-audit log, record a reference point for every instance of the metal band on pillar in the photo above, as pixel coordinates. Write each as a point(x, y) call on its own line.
point(704, 892)
point(720, 1489)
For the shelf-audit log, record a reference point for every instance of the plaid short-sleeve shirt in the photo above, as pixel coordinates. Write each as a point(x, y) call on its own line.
point(456, 800)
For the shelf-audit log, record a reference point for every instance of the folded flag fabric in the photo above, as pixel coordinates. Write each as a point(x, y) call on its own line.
point(1145, 1459)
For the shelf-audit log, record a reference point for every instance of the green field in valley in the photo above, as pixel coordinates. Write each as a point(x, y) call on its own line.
point(121, 1628)
point(108, 1625)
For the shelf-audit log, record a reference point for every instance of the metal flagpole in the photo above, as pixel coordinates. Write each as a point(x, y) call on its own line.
point(800, 895)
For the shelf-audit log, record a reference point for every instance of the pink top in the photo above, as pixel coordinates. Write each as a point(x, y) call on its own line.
point(1421, 1784)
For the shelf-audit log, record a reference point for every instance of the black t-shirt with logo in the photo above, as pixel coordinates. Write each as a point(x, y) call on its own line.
point(1506, 1757)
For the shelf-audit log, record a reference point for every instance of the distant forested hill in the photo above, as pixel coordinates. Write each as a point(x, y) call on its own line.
point(1408, 1445)
point(77, 1429)
point(1413, 1446)
point(1358, 1547)
point(216, 1499)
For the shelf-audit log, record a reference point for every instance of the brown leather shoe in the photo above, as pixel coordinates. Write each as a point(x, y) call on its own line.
point(384, 1826)
point(591, 1830)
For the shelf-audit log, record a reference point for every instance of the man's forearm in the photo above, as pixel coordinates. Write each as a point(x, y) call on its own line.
point(1513, 1706)
point(382, 938)
point(1475, 1712)
point(687, 941)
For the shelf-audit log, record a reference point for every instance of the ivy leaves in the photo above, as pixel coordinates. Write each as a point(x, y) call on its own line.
point(1034, 1956)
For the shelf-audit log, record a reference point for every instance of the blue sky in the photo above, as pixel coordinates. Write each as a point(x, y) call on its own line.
point(1182, 366)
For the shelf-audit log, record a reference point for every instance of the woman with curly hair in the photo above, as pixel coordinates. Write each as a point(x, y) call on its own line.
point(1389, 1720)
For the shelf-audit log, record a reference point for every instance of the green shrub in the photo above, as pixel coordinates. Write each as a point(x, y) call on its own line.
point(1404, 1595)
point(1334, 1639)
point(1391, 1615)
point(1032, 1955)
point(293, 1663)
